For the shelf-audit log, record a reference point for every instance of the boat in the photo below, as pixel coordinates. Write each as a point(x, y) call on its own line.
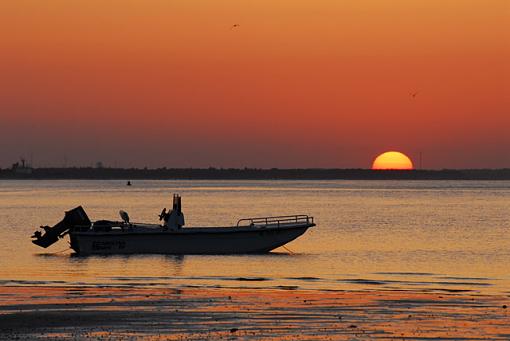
point(249, 235)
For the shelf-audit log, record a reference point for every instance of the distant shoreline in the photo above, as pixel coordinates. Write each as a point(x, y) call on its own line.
point(89, 173)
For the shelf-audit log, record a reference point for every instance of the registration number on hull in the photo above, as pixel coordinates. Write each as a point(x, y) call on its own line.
point(108, 245)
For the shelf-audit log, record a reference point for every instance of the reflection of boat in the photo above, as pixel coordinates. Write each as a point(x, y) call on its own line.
point(250, 235)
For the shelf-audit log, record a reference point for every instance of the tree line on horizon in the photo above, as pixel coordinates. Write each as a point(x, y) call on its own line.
point(253, 173)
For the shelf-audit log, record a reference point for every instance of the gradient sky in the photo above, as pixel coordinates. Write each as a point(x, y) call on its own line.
point(324, 83)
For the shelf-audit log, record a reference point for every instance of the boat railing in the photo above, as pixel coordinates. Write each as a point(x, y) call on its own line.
point(275, 221)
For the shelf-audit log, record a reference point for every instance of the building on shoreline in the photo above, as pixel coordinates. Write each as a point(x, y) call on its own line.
point(22, 168)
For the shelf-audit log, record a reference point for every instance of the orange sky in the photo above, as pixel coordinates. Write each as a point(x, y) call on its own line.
point(297, 84)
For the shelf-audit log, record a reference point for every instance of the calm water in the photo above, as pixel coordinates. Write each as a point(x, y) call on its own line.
point(428, 235)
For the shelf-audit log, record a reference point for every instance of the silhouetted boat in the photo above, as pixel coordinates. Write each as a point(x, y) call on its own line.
point(249, 235)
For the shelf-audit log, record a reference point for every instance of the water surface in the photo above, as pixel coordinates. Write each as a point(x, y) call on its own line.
point(450, 236)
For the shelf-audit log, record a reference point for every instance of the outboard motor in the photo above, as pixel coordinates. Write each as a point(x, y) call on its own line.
point(73, 218)
point(175, 218)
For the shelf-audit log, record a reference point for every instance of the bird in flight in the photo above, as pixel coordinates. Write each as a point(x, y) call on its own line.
point(234, 26)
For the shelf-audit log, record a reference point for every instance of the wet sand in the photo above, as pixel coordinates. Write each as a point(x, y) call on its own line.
point(44, 312)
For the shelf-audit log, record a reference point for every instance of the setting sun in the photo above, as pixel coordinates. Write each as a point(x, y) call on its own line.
point(392, 160)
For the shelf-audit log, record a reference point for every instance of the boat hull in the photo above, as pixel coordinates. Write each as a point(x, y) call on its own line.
point(187, 241)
